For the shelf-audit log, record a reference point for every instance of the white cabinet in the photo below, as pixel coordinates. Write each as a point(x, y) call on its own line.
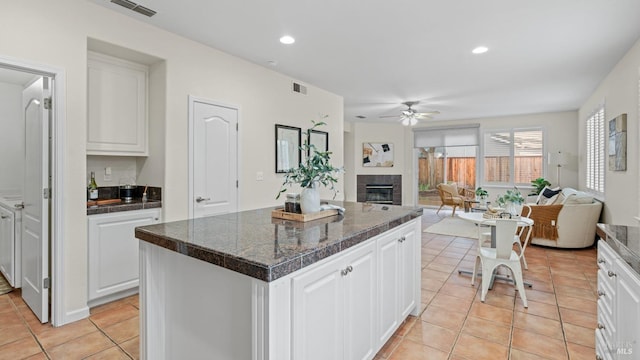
point(117, 106)
point(618, 329)
point(7, 246)
point(397, 271)
point(334, 308)
point(113, 253)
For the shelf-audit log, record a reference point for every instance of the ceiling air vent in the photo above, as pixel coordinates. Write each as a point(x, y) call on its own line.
point(135, 7)
point(299, 88)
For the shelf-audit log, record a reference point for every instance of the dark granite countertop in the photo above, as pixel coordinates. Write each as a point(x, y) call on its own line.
point(136, 204)
point(624, 240)
point(255, 244)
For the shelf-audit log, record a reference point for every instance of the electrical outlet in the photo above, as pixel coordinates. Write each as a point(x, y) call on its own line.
point(259, 176)
point(107, 173)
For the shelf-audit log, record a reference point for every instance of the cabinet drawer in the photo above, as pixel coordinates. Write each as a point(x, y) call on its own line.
point(603, 350)
point(606, 257)
point(605, 324)
point(606, 292)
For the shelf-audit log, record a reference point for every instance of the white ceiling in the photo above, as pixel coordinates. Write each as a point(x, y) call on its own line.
point(544, 55)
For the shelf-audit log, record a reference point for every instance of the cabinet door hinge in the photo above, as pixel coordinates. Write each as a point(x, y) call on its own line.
point(47, 103)
point(46, 283)
point(236, 126)
point(46, 193)
point(237, 184)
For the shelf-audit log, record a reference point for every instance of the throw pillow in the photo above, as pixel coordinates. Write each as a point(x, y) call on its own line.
point(546, 195)
point(579, 198)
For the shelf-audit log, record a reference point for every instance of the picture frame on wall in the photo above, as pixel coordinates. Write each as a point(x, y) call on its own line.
point(288, 153)
point(319, 139)
point(377, 154)
point(618, 143)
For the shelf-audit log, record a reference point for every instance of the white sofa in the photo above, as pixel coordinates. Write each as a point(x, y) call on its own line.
point(573, 226)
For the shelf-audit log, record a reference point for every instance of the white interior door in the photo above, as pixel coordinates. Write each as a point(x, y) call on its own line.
point(213, 158)
point(35, 215)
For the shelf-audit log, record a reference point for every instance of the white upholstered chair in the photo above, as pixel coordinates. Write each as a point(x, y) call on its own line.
point(503, 254)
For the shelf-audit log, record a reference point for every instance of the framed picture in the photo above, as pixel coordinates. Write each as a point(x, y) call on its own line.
point(618, 143)
point(288, 152)
point(319, 139)
point(377, 154)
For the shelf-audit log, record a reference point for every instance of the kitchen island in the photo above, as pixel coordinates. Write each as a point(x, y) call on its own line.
point(249, 286)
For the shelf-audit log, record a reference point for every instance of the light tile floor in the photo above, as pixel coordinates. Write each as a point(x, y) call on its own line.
point(454, 324)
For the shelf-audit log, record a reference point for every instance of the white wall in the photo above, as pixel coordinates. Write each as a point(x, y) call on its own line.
point(560, 129)
point(11, 138)
point(619, 93)
point(55, 33)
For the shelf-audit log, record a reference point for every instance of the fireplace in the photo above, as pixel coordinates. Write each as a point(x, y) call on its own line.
point(379, 193)
point(380, 189)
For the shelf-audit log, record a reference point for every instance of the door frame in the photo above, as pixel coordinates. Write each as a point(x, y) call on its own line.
point(192, 100)
point(56, 157)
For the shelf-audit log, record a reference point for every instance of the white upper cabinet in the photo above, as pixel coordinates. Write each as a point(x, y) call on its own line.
point(117, 121)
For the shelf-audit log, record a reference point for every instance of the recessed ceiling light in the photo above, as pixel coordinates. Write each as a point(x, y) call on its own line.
point(480, 50)
point(272, 63)
point(361, 116)
point(287, 40)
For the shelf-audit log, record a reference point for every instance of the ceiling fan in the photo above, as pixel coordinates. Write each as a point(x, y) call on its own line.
point(410, 116)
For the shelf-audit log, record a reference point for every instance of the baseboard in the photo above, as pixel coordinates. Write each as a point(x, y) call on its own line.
point(72, 316)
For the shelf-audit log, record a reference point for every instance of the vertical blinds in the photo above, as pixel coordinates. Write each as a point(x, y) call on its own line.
point(465, 135)
point(595, 151)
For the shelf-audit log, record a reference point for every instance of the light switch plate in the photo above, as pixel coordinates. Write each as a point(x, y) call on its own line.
point(259, 176)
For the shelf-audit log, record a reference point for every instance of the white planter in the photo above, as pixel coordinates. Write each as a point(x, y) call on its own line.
point(310, 200)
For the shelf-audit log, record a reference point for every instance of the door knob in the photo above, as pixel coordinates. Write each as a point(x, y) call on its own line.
point(201, 199)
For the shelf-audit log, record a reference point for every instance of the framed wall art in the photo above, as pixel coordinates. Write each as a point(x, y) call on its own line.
point(377, 154)
point(288, 152)
point(618, 143)
point(319, 139)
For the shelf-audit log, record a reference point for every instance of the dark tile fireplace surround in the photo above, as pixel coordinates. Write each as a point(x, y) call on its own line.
point(382, 189)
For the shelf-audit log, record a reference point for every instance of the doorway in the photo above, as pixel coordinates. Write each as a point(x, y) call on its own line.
point(450, 164)
point(43, 118)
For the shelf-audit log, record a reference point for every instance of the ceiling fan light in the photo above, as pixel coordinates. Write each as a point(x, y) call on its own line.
point(414, 121)
point(405, 121)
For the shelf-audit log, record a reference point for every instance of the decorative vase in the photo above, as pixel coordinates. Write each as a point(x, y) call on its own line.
point(513, 208)
point(310, 199)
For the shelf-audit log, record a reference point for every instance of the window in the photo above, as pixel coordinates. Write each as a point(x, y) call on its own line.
point(513, 157)
point(595, 152)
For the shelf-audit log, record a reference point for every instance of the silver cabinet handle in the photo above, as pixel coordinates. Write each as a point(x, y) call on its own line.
point(598, 357)
point(402, 239)
point(611, 273)
point(601, 261)
point(600, 326)
point(346, 270)
point(201, 199)
point(4, 216)
point(601, 293)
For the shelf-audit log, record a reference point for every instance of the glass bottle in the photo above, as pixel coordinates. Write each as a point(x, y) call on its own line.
point(93, 187)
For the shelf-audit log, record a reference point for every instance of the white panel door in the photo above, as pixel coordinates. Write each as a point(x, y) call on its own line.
point(214, 158)
point(35, 215)
point(408, 271)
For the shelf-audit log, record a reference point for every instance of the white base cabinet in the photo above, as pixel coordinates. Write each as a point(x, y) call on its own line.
point(334, 309)
point(618, 331)
point(113, 253)
point(10, 246)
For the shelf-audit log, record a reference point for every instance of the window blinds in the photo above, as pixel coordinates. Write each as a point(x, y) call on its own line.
point(465, 135)
point(595, 151)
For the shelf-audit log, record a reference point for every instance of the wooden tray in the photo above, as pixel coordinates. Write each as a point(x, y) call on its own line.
point(103, 202)
point(281, 214)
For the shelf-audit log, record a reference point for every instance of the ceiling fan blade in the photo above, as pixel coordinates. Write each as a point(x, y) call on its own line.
point(428, 112)
point(390, 116)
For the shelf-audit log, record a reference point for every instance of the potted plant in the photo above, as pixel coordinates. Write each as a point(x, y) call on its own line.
point(481, 196)
point(538, 185)
point(313, 171)
point(511, 201)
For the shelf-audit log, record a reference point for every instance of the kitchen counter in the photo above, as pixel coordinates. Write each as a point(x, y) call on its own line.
point(249, 286)
point(136, 204)
point(255, 244)
point(624, 240)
